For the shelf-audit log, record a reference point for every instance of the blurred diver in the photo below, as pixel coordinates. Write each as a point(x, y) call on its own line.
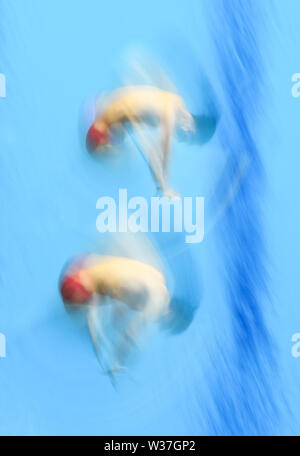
point(135, 106)
point(121, 297)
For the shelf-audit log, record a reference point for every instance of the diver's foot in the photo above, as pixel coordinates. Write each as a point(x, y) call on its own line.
point(172, 195)
point(116, 370)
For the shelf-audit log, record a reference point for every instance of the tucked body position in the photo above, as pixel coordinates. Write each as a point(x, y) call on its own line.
point(133, 107)
point(121, 297)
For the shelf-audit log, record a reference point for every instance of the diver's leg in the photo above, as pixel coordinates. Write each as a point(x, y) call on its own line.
point(124, 343)
point(97, 317)
point(167, 129)
point(93, 321)
point(155, 305)
point(154, 159)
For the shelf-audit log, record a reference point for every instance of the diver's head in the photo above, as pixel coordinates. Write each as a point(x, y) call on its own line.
point(74, 292)
point(98, 136)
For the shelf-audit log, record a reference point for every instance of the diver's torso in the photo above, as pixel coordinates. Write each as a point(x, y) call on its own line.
point(126, 279)
point(139, 104)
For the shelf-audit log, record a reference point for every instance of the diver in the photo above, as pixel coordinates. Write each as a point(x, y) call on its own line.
point(134, 106)
point(117, 293)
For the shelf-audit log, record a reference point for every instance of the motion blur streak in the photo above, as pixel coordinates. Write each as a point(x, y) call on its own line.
point(243, 390)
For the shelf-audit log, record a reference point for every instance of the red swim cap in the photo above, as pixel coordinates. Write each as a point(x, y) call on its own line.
point(72, 290)
point(96, 138)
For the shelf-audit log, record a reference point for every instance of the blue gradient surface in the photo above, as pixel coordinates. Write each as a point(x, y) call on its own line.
point(231, 372)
